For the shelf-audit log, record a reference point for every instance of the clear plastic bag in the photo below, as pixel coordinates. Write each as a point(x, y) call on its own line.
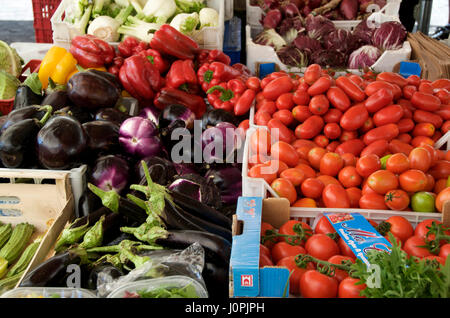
point(163, 263)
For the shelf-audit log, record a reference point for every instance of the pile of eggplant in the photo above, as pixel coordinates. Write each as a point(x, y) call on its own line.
point(138, 197)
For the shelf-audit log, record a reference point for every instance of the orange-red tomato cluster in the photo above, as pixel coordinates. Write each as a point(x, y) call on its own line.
point(351, 141)
point(307, 281)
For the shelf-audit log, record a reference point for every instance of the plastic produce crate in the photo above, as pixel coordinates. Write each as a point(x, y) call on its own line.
point(257, 187)
point(6, 105)
point(42, 12)
point(392, 7)
point(207, 38)
point(48, 292)
point(22, 202)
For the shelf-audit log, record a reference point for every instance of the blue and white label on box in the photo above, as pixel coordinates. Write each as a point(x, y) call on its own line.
point(358, 233)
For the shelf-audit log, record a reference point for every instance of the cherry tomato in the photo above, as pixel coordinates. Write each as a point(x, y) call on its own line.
point(310, 128)
point(400, 227)
point(296, 273)
point(319, 104)
point(353, 146)
point(348, 288)
point(320, 86)
point(420, 158)
point(349, 177)
point(285, 116)
point(338, 98)
point(372, 201)
point(442, 197)
point(351, 89)
point(387, 132)
point(282, 249)
point(388, 115)
point(312, 73)
point(396, 199)
point(316, 285)
point(413, 180)
point(379, 99)
point(354, 117)
point(279, 131)
point(340, 274)
point(367, 165)
point(335, 196)
point(330, 164)
point(324, 226)
point(296, 176)
point(397, 163)
point(285, 189)
point(312, 188)
point(321, 246)
point(285, 101)
point(354, 195)
point(301, 97)
point(382, 181)
point(412, 247)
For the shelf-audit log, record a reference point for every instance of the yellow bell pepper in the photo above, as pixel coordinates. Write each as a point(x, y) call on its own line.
point(57, 64)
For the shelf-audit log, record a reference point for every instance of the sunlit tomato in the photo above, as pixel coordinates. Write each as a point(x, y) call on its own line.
point(366, 189)
point(335, 196)
point(332, 130)
point(296, 176)
point(413, 180)
point(296, 273)
point(420, 159)
point(285, 189)
point(442, 197)
point(324, 226)
point(345, 249)
point(314, 284)
point(305, 203)
point(321, 246)
point(312, 73)
point(282, 249)
point(412, 247)
point(424, 129)
point(321, 141)
point(372, 201)
point(340, 274)
point(262, 171)
point(367, 165)
point(397, 199)
point(285, 152)
point(444, 251)
point(315, 155)
point(400, 227)
point(354, 195)
point(382, 181)
point(301, 113)
point(330, 164)
point(397, 163)
point(349, 288)
point(349, 177)
point(312, 188)
point(292, 230)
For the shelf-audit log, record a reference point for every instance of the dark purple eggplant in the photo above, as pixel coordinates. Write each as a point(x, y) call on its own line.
point(107, 269)
point(216, 280)
point(150, 113)
point(229, 182)
point(103, 136)
point(26, 97)
point(175, 130)
point(217, 249)
point(78, 113)
point(111, 114)
point(93, 90)
point(53, 271)
point(161, 170)
point(110, 172)
point(34, 111)
point(214, 116)
point(198, 188)
point(57, 99)
point(185, 168)
point(175, 112)
point(61, 143)
point(200, 209)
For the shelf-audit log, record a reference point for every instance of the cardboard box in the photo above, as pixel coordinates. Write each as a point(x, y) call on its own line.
point(47, 206)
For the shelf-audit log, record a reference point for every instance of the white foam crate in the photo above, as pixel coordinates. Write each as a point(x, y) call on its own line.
point(392, 7)
point(257, 187)
point(207, 38)
point(257, 53)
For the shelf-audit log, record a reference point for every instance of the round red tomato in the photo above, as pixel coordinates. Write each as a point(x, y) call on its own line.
point(330, 164)
point(422, 229)
point(444, 252)
point(321, 246)
point(400, 227)
point(340, 274)
point(335, 196)
point(317, 285)
point(397, 199)
point(283, 249)
point(345, 249)
point(267, 229)
point(348, 288)
point(397, 163)
point(413, 180)
point(324, 226)
point(312, 188)
point(265, 260)
point(349, 177)
point(295, 232)
point(367, 165)
point(420, 159)
point(382, 181)
point(315, 155)
point(319, 105)
point(296, 273)
point(412, 247)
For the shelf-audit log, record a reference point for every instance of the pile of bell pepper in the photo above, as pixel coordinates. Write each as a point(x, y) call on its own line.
point(170, 69)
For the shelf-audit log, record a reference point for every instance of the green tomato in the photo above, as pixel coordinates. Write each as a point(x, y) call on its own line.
point(423, 202)
point(383, 161)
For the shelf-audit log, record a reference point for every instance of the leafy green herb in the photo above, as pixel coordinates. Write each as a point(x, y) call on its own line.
point(187, 291)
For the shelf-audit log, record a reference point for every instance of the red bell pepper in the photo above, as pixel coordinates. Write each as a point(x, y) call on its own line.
point(169, 96)
point(91, 52)
point(170, 41)
point(243, 69)
point(209, 56)
point(213, 74)
point(155, 58)
point(116, 65)
point(226, 94)
point(140, 78)
point(182, 76)
point(131, 46)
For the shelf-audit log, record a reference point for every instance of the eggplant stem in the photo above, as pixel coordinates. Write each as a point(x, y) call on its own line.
point(49, 110)
point(110, 199)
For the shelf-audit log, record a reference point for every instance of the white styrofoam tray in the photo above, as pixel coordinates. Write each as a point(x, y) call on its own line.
point(207, 38)
point(257, 53)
